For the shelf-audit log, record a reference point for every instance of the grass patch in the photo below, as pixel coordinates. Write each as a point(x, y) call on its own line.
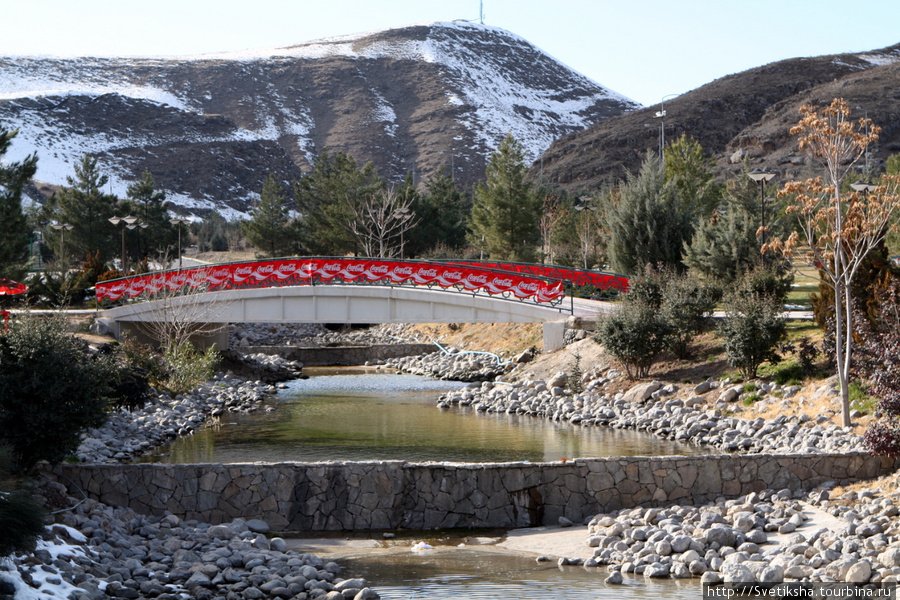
point(749, 399)
point(785, 372)
point(860, 400)
point(750, 387)
point(797, 329)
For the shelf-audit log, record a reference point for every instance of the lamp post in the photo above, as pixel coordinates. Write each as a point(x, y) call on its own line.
point(62, 228)
point(864, 187)
point(762, 177)
point(178, 222)
point(661, 114)
point(584, 226)
point(138, 226)
point(125, 222)
point(402, 215)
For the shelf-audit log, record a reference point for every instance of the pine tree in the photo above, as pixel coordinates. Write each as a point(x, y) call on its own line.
point(690, 170)
point(725, 246)
point(443, 212)
point(646, 224)
point(325, 198)
point(270, 228)
point(149, 205)
point(505, 210)
point(84, 205)
point(14, 230)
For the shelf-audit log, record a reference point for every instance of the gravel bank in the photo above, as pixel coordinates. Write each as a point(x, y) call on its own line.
point(95, 551)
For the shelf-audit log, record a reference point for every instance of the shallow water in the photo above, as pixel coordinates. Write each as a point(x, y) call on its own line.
point(341, 414)
point(473, 572)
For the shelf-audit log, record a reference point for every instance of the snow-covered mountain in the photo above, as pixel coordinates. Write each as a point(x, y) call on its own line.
point(210, 128)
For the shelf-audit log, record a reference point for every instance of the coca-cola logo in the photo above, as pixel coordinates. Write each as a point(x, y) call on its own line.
point(332, 268)
point(428, 273)
point(357, 268)
point(477, 278)
point(287, 268)
point(243, 270)
point(380, 269)
point(528, 287)
point(503, 282)
point(265, 269)
point(453, 275)
point(403, 270)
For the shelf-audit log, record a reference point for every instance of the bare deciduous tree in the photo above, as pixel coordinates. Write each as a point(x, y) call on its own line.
point(837, 232)
point(177, 315)
point(380, 223)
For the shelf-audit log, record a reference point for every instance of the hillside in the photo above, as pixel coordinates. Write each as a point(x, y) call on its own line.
point(210, 128)
point(748, 112)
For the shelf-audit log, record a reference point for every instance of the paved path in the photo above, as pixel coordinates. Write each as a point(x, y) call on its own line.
point(553, 542)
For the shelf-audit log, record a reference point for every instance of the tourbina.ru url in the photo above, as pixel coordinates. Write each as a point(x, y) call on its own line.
point(838, 591)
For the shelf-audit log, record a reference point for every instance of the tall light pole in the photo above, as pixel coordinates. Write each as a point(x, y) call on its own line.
point(661, 114)
point(178, 222)
point(762, 177)
point(62, 228)
point(138, 226)
point(402, 215)
point(124, 221)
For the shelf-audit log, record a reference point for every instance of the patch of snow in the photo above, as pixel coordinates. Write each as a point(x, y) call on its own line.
point(454, 100)
point(878, 60)
point(46, 585)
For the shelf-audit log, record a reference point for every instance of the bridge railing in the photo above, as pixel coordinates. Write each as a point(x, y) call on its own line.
point(598, 285)
point(297, 271)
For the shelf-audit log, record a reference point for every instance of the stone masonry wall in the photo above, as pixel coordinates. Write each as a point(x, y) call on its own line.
point(396, 494)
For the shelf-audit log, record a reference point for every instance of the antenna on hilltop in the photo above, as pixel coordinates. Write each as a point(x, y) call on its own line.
point(481, 11)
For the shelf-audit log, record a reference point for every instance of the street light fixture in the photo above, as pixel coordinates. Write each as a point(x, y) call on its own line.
point(178, 222)
point(863, 186)
point(62, 228)
point(125, 222)
point(762, 177)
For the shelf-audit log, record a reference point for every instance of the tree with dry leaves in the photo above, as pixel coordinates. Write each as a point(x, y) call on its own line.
point(837, 229)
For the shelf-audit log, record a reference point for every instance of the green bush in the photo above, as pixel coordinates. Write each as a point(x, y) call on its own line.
point(53, 388)
point(635, 335)
point(21, 522)
point(186, 367)
point(687, 306)
point(21, 518)
point(751, 330)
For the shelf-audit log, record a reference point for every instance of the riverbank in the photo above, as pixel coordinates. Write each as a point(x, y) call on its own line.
point(711, 408)
point(94, 551)
point(768, 536)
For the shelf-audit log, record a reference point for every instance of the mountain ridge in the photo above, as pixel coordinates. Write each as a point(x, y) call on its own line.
point(746, 113)
point(408, 99)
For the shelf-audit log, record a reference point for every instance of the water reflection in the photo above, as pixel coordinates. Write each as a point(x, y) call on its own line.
point(376, 416)
point(482, 573)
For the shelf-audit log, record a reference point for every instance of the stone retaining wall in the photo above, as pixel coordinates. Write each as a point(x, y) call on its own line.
point(342, 355)
point(395, 494)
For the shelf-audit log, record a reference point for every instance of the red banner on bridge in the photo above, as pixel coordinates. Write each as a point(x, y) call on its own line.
point(577, 277)
point(310, 271)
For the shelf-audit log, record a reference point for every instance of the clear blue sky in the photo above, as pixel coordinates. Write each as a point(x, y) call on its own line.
point(644, 49)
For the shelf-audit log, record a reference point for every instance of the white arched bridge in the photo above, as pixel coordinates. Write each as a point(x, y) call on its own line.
point(358, 290)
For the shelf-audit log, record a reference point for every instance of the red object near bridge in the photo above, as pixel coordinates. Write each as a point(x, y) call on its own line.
point(8, 287)
point(317, 270)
